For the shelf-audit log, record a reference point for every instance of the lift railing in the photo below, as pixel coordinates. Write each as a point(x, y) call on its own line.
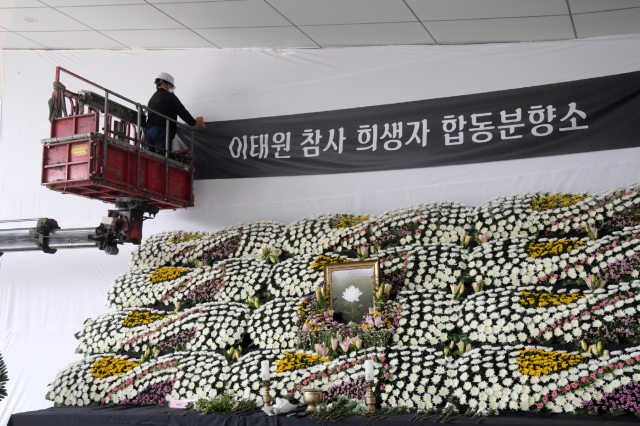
point(123, 131)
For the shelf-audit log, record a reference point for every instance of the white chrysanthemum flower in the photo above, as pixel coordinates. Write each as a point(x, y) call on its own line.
point(352, 294)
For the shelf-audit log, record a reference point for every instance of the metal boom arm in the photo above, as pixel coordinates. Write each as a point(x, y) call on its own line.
point(122, 225)
point(25, 239)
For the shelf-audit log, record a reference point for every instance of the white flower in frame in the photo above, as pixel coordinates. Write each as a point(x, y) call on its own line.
point(351, 294)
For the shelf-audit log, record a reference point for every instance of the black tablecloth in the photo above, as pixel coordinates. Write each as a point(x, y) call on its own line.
point(159, 415)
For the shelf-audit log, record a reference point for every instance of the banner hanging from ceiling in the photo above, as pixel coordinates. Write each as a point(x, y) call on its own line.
point(564, 118)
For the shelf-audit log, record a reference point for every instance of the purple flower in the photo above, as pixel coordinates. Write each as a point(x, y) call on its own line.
point(628, 217)
point(616, 270)
point(626, 397)
point(152, 394)
point(354, 388)
point(178, 341)
point(206, 291)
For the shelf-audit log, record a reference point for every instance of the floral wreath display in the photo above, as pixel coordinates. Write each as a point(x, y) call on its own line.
point(210, 326)
point(231, 280)
point(559, 213)
point(421, 224)
point(526, 303)
point(191, 248)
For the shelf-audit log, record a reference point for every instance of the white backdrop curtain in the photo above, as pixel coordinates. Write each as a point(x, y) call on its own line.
point(45, 298)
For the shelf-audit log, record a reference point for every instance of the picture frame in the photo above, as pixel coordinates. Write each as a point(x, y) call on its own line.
point(350, 288)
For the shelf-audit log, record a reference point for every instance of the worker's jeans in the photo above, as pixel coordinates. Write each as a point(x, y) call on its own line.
point(156, 136)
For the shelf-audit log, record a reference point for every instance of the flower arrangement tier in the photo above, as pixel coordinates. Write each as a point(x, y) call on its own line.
point(207, 375)
point(614, 210)
point(209, 326)
point(180, 248)
point(559, 213)
point(204, 248)
point(318, 234)
point(525, 261)
point(272, 325)
point(620, 209)
point(323, 374)
point(509, 315)
point(229, 280)
point(520, 378)
point(246, 277)
point(300, 275)
point(428, 316)
point(115, 379)
point(528, 214)
point(513, 377)
point(590, 384)
point(609, 315)
point(417, 225)
point(149, 286)
point(435, 266)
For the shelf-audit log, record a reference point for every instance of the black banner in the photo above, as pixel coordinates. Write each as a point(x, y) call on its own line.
point(565, 118)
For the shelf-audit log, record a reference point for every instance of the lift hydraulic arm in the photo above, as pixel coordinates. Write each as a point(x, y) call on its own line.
point(122, 225)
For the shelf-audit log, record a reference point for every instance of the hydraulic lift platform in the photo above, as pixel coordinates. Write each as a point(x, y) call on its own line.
point(97, 150)
point(112, 161)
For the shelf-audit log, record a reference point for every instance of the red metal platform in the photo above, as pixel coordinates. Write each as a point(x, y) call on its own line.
point(79, 160)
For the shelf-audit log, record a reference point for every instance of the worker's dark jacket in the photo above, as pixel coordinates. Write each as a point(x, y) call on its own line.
point(167, 104)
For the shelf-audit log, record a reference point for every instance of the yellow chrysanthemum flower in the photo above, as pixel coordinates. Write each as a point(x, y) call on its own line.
point(136, 318)
point(166, 274)
point(347, 221)
point(322, 260)
point(548, 202)
point(181, 237)
point(296, 361)
point(110, 366)
point(544, 249)
point(539, 300)
point(536, 362)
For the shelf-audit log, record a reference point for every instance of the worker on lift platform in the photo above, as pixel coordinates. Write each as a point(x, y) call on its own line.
point(167, 103)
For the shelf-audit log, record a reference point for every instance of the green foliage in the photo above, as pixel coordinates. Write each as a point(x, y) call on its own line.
point(3, 379)
point(401, 409)
point(246, 405)
point(340, 407)
point(223, 403)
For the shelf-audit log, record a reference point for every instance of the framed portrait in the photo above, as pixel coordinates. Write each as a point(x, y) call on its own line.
point(350, 287)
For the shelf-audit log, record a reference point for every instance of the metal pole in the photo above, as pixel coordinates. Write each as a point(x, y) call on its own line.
point(23, 239)
point(193, 159)
point(139, 136)
point(58, 69)
point(166, 160)
point(166, 153)
point(192, 148)
point(139, 123)
point(106, 131)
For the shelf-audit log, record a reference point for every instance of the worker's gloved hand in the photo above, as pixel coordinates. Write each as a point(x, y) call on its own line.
point(200, 122)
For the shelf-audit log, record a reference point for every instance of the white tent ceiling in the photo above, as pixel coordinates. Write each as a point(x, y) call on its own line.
point(170, 24)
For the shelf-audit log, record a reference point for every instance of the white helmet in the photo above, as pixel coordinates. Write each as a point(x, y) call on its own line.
point(166, 77)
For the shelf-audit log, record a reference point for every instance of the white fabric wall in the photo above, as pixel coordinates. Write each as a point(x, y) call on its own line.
point(45, 298)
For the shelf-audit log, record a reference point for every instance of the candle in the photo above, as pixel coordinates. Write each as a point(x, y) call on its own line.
point(368, 370)
point(265, 375)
